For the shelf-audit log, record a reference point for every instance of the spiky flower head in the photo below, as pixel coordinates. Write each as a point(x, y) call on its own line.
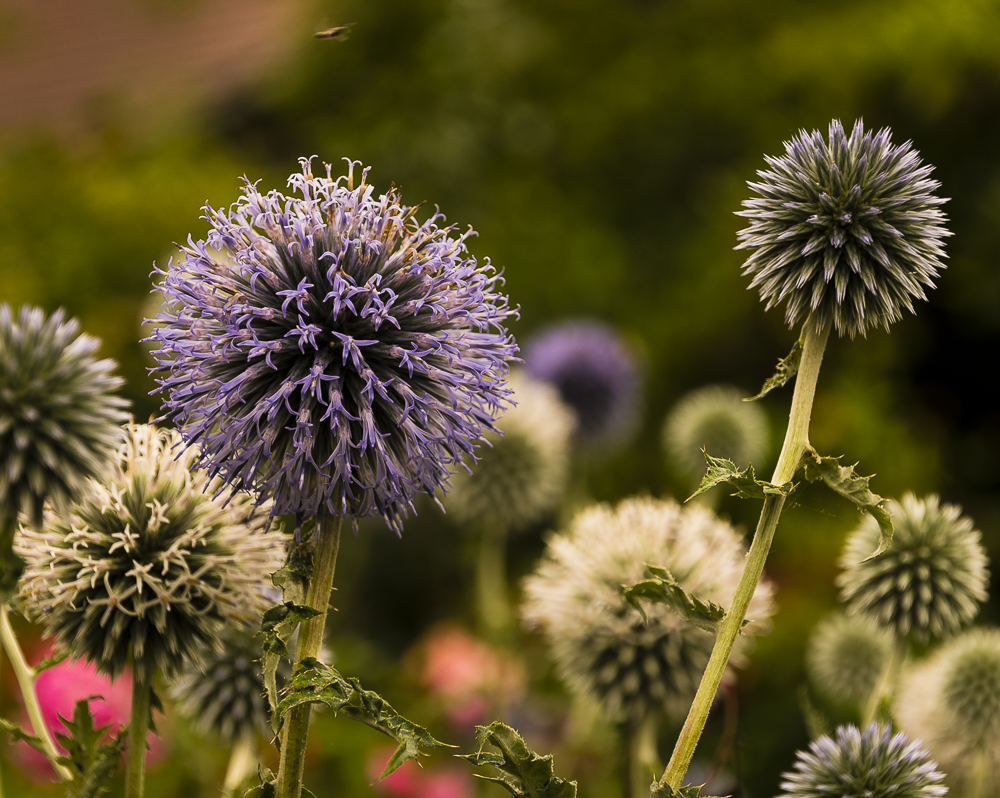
point(602, 647)
point(329, 352)
point(595, 374)
point(931, 579)
point(874, 763)
point(522, 474)
point(951, 701)
point(149, 565)
point(846, 656)
point(846, 228)
point(59, 420)
point(715, 418)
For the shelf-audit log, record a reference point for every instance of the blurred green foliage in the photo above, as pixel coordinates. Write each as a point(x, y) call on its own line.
point(600, 151)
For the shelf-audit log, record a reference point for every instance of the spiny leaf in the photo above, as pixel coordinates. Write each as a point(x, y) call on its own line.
point(850, 485)
point(661, 587)
point(787, 368)
point(17, 733)
point(523, 773)
point(57, 656)
point(316, 683)
point(658, 790)
point(90, 763)
point(747, 485)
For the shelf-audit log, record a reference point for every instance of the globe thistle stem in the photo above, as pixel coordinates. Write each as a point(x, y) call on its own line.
point(25, 676)
point(815, 334)
point(138, 729)
point(886, 687)
point(242, 762)
point(296, 730)
point(639, 739)
point(491, 581)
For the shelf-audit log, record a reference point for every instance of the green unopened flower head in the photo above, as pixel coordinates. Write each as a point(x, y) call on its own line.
point(929, 582)
point(846, 656)
point(952, 702)
point(522, 474)
point(602, 647)
point(846, 228)
point(717, 420)
point(148, 566)
point(874, 763)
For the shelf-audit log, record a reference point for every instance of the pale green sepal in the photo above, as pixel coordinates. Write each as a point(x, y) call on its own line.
point(90, 763)
point(523, 773)
point(787, 368)
point(657, 790)
point(747, 485)
point(316, 683)
point(661, 587)
point(843, 480)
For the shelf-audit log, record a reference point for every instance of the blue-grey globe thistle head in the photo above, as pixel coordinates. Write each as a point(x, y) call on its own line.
point(521, 475)
point(330, 353)
point(595, 373)
point(845, 658)
point(874, 763)
point(149, 565)
point(601, 646)
point(60, 422)
point(930, 581)
point(847, 228)
point(717, 420)
point(951, 701)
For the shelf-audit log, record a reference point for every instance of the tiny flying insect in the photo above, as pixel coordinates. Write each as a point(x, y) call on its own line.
point(340, 33)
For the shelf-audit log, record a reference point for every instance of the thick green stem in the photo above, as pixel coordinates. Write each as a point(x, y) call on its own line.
point(796, 442)
point(138, 729)
point(296, 729)
point(25, 676)
point(886, 686)
point(491, 581)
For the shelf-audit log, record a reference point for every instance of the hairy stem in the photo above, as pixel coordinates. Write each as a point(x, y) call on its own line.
point(138, 729)
point(296, 729)
point(25, 676)
point(796, 442)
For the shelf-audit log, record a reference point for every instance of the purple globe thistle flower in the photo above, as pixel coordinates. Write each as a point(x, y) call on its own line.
point(595, 374)
point(329, 352)
point(846, 228)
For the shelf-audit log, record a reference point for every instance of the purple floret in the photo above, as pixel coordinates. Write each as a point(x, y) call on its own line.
point(596, 375)
point(329, 352)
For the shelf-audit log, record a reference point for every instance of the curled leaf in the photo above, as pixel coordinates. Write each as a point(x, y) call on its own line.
point(523, 773)
point(661, 587)
point(787, 368)
point(746, 483)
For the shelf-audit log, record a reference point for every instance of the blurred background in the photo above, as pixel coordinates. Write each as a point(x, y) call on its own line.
point(600, 151)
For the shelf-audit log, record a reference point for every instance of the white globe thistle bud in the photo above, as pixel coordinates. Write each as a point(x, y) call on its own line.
point(717, 420)
point(931, 579)
point(846, 656)
point(521, 475)
point(951, 701)
point(601, 645)
point(149, 566)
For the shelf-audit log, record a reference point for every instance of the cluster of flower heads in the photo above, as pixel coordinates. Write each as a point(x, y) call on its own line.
point(846, 656)
point(329, 352)
point(521, 475)
point(602, 646)
point(59, 420)
point(147, 567)
point(932, 578)
point(846, 228)
point(595, 374)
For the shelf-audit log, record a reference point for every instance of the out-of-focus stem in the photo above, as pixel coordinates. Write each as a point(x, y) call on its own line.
point(241, 764)
point(138, 729)
point(887, 681)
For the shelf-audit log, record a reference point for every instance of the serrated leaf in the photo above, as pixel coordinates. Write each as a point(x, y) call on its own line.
point(658, 790)
point(316, 683)
point(787, 368)
point(523, 773)
point(846, 482)
point(662, 588)
point(49, 662)
point(17, 733)
point(90, 763)
point(747, 485)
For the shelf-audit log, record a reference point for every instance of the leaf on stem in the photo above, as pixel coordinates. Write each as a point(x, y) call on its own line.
point(523, 773)
point(747, 485)
point(661, 587)
point(17, 733)
point(787, 368)
point(658, 790)
point(268, 787)
point(90, 763)
point(844, 481)
point(316, 683)
point(57, 656)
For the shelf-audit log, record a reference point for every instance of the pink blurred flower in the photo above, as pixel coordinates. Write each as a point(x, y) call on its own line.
point(412, 781)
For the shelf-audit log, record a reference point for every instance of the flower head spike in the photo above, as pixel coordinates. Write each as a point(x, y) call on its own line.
point(929, 582)
point(150, 565)
point(717, 420)
point(601, 644)
point(846, 228)
point(846, 656)
point(522, 474)
point(951, 701)
point(329, 352)
point(874, 763)
point(595, 374)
